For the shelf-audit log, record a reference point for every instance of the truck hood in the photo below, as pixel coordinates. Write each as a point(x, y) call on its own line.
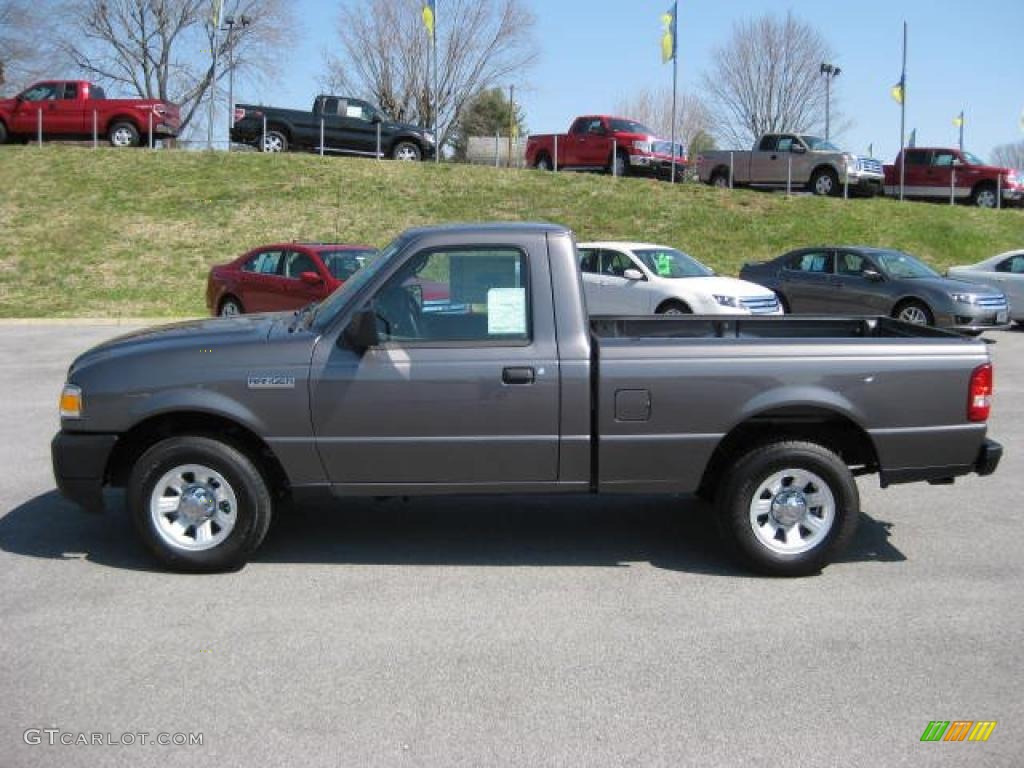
point(208, 333)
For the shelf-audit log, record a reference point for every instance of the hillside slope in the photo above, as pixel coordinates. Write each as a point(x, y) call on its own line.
point(116, 233)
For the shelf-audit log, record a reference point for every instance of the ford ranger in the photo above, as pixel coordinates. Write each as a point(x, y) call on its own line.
point(506, 387)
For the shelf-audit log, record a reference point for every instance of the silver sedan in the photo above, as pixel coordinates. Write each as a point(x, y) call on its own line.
point(1004, 272)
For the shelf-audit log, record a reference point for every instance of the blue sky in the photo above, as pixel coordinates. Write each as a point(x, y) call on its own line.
point(594, 52)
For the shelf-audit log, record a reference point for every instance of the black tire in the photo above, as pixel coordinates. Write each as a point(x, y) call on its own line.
point(673, 308)
point(3, 133)
point(912, 311)
point(229, 302)
point(543, 163)
point(406, 150)
point(984, 196)
point(123, 134)
point(719, 180)
point(619, 165)
point(273, 141)
point(740, 485)
point(825, 183)
point(252, 511)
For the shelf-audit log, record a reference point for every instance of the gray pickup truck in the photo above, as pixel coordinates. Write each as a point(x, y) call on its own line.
point(501, 384)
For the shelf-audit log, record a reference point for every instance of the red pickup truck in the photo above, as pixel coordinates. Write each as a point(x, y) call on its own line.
point(68, 108)
point(938, 172)
point(603, 143)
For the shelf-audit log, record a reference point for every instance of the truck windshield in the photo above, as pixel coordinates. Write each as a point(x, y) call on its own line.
point(818, 144)
point(332, 305)
point(668, 262)
point(973, 159)
point(629, 126)
point(900, 266)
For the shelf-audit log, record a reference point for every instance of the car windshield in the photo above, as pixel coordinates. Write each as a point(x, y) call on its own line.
point(899, 265)
point(818, 144)
point(344, 264)
point(973, 159)
point(629, 126)
point(332, 305)
point(668, 262)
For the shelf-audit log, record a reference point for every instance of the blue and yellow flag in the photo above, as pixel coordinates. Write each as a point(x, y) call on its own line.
point(897, 92)
point(429, 15)
point(668, 36)
point(959, 120)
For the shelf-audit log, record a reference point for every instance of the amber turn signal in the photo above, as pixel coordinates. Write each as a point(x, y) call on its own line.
point(71, 402)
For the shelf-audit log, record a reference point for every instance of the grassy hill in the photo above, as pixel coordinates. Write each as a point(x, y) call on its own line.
point(132, 233)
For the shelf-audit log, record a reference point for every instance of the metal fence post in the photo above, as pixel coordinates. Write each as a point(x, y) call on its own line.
point(95, 132)
point(321, 137)
point(378, 141)
point(999, 191)
point(789, 176)
point(846, 184)
point(497, 145)
point(952, 187)
point(263, 139)
point(732, 159)
point(554, 166)
point(615, 157)
point(39, 126)
point(151, 129)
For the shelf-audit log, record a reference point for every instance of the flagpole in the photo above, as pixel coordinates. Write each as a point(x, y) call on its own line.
point(437, 139)
point(961, 130)
point(903, 113)
point(675, 77)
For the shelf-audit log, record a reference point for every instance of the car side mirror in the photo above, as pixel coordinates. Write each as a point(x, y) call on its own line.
point(633, 274)
point(361, 333)
point(311, 278)
point(798, 149)
point(873, 275)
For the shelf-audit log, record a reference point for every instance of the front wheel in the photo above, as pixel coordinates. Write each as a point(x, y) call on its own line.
point(914, 312)
point(787, 508)
point(673, 308)
point(825, 183)
point(123, 134)
point(199, 504)
point(407, 151)
point(985, 196)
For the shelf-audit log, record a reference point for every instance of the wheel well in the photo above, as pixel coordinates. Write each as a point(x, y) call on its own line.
point(825, 427)
point(824, 169)
point(986, 184)
point(225, 297)
point(147, 433)
point(280, 128)
point(408, 139)
point(720, 170)
point(911, 300)
point(123, 119)
point(783, 301)
point(542, 154)
point(673, 302)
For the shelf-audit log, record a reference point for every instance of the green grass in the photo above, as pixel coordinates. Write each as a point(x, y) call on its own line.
point(113, 233)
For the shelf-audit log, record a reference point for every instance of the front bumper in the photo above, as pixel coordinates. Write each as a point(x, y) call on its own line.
point(80, 466)
point(657, 165)
point(868, 183)
point(977, 319)
point(166, 130)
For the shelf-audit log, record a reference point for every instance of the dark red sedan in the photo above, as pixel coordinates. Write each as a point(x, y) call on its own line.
point(274, 278)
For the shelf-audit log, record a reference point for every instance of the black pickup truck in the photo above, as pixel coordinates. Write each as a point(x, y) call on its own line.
point(350, 126)
point(506, 386)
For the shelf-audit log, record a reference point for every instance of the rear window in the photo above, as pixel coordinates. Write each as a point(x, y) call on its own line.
point(265, 263)
point(815, 262)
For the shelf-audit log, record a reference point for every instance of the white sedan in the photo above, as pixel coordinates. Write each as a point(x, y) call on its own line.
point(644, 279)
point(1004, 272)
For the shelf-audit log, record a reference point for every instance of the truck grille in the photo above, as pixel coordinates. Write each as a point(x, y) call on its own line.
point(761, 305)
point(870, 165)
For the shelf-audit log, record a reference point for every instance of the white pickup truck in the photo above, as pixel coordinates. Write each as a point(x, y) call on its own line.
point(794, 160)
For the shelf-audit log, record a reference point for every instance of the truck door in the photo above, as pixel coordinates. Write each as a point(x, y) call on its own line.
point(359, 132)
point(940, 174)
point(461, 391)
point(65, 115)
point(777, 166)
point(587, 144)
point(762, 162)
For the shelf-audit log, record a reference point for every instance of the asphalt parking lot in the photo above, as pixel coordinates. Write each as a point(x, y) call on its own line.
point(528, 632)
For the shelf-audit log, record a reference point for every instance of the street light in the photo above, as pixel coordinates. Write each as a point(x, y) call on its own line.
point(830, 72)
point(229, 26)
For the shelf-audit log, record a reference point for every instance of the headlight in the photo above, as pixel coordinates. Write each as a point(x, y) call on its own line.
point(852, 162)
point(642, 146)
point(963, 298)
point(71, 402)
point(727, 301)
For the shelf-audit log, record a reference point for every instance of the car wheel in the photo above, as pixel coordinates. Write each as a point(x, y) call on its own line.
point(406, 151)
point(543, 163)
point(674, 308)
point(199, 504)
point(274, 141)
point(914, 312)
point(787, 508)
point(230, 307)
point(985, 196)
point(720, 181)
point(123, 134)
point(825, 183)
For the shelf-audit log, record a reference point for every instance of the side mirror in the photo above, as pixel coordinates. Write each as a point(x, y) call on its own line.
point(633, 274)
point(798, 149)
point(361, 333)
point(873, 275)
point(311, 278)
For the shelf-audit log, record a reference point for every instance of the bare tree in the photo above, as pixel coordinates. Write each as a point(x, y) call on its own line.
point(1009, 155)
point(653, 108)
point(161, 49)
point(385, 55)
point(767, 78)
point(23, 54)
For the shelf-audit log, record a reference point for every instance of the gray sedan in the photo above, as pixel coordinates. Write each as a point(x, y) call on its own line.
point(1005, 273)
point(855, 280)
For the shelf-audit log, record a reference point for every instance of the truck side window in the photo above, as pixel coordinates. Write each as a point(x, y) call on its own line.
point(97, 94)
point(943, 159)
point(580, 126)
point(916, 157)
point(768, 144)
point(465, 295)
point(70, 90)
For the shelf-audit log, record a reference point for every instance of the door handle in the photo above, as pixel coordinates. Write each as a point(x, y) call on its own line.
point(517, 376)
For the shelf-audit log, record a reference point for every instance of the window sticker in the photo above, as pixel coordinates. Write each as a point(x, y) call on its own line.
point(506, 311)
point(663, 262)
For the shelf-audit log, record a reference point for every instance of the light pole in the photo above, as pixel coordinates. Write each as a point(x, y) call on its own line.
point(830, 72)
point(229, 26)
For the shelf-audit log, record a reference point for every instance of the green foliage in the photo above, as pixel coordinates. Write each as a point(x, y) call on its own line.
point(487, 114)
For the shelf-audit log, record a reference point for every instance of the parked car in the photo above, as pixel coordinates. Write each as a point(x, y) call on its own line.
point(928, 172)
point(855, 280)
point(67, 109)
point(801, 160)
point(349, 127)
point(365, 394)
point(604, 143)
point(1004, 272)
point(644, 279)
point(280, 277)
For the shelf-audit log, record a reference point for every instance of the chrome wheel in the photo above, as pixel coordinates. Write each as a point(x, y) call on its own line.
point(273, 142)
point(792, 511)
point(193, 508)
point(986, 198)
point(230, 309)
point(406, 152)
point(122, 136)
point(824, 185)
point(913, 314)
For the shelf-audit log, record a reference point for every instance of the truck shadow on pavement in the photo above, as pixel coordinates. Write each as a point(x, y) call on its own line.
point(674, 533)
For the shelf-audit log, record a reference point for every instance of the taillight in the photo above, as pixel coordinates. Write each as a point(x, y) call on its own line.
point(979, 394)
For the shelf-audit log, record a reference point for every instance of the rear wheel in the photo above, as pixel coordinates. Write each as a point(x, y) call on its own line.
point(720, 180)
point(914, 312)
point(199, 504)
point(123, 134)
point(674, 308)
point(787, 508)
point(543, 163)
point(274, 141)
